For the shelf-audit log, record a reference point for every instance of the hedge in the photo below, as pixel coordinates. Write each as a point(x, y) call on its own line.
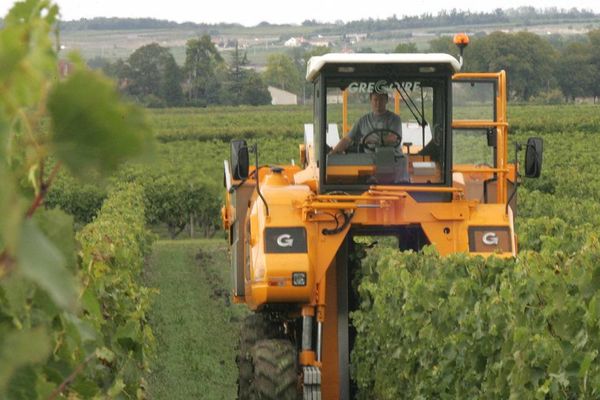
point(462, 328)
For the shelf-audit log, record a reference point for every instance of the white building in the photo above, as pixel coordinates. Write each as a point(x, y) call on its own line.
point(282, 97)
point(294, 42)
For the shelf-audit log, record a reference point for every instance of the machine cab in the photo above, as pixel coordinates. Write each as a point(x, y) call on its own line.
point(392, 114)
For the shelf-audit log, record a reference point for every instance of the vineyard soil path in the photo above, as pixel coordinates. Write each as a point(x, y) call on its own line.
point(195, 325)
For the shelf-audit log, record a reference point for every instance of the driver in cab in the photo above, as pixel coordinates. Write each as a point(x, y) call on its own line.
point(380, 119)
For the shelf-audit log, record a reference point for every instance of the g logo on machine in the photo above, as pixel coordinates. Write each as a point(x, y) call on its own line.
point(285, 240)
point(490, 239)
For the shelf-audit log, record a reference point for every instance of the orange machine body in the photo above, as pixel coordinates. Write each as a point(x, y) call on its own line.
point(291, 199)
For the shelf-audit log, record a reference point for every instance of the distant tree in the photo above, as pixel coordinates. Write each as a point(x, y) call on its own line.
point(170, 83)
point(241, 85)
point(310, 22)
point(282, 73)
point(119, 70)
point(253, 89)
point(575, 71)
point(316, 51)
point(98, 63)
point(528, 60)
point(406, 48)
point(300, 56)
point(144, 72)
point(202, 60)
point(154, 74)
point(594, 37)
point(443, 44)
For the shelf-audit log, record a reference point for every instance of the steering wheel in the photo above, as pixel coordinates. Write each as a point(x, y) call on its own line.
point(380, 134)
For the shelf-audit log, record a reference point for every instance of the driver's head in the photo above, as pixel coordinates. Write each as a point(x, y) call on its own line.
point(378, 102)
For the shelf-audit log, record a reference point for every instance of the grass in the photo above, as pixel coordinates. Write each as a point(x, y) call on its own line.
point(194, 324)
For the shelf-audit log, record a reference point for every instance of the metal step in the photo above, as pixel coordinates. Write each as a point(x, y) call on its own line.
point(312, 383)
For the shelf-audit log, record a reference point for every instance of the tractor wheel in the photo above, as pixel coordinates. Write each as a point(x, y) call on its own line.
point(256, 327)
point(275, 371)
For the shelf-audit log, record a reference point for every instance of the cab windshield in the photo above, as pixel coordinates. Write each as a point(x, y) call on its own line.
point(391, 131)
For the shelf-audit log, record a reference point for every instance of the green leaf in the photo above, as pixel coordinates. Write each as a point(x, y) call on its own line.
point(42, 263)
point(21, 348)
point(22, 384)
point(58, 228)
point(43, 387)
point(93, 130)
point(83, 329)
point(105, 354)
point(561, 379)
point(12, 50)
point(129, 331)
point(16, 290)
point(129, 335)
point(587, 362)
point(117, 388)
point(91, 305)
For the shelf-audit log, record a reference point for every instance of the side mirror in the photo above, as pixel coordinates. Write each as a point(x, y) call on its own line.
point(533, 157)
point(240, 161)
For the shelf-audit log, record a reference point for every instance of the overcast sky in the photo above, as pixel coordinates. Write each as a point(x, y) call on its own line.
point(276, 11)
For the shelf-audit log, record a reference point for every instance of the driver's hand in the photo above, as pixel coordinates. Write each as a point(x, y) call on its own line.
point(389, 139)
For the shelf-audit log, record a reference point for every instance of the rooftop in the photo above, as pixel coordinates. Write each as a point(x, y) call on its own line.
point(315, 64)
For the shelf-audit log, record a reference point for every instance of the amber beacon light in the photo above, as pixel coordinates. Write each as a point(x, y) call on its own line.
point(461, 40)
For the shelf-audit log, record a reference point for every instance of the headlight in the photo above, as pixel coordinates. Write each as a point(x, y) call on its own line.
point(299, 279)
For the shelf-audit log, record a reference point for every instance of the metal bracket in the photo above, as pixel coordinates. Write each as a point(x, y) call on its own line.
point(312, 383)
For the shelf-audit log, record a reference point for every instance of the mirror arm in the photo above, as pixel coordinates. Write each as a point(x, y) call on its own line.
point(518, 148)
point(254, 149)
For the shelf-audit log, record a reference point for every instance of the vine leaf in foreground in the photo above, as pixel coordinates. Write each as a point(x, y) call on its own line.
point(93, 130)
point(44, 264)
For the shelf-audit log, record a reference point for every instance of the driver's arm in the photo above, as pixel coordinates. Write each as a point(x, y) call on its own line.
point(347, 140)
point(397, 126)
point(342, 145)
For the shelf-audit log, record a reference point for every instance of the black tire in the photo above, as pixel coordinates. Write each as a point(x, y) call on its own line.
point(256, 327)
point(275, 371)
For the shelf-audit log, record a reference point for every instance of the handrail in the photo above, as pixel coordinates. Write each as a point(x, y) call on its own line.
point(343, 197)
point(476, 75)
point(419, 189)
point(479, 169)
point(474, 123)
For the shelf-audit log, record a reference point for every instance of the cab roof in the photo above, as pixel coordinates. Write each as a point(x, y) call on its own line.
point(316, 64)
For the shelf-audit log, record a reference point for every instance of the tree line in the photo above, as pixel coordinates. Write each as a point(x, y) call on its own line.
point(108, 24)
point(151, 76)
point(543, 69)
point(446, 18)
point(452, 17)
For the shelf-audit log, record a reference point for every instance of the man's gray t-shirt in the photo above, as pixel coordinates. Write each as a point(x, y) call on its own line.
point(371, 122)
